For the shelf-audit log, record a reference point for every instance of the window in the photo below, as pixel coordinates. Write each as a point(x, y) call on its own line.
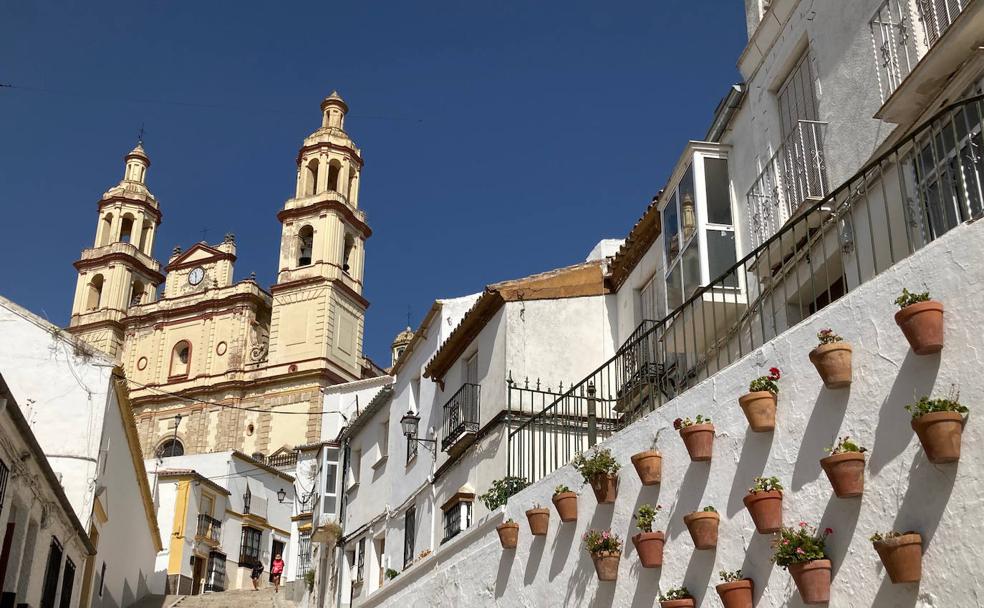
point(170, 447)
point(457, 518)
point(249, 548)
point(305, 245)
point(102, 579)
point(334, 168)
point(145, 237)
point(311, 179)
point(384, 439)
point(797, 98)
point(51, 571)
point(331, 481)
point(136, 292)
point(126, 228)
point(356, 465)
point(360, 561)
point(247, 499)
point(207, 505)
point(106, 232)
point(409, 535)
point(347, 251)
point(303, 555)
point(4, 473)
point(68, 582)
point(180, 359)
point(93, 296)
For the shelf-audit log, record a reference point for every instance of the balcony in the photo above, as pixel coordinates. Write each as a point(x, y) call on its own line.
point(209, 530)
point(795, 174)
point(123, 249)
point(283, 461)
point(461, 418)
point(905, 36)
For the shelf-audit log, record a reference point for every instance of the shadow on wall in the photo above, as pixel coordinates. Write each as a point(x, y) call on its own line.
point(506, 559)
point(537, 545)
point(562, 547)
point(841, 515)
point(647, 587)
point(820, 433)
point(698, 573)
point(751, 463)
point(758, 564)
point(688, 500)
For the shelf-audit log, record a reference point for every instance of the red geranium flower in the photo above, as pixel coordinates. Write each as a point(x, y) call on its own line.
point(828, 531)
point(774, 373)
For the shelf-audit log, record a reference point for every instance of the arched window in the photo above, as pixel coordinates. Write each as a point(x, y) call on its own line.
point(347, 252)
point(145, 237)
point(126, 228)
point(305, 245)
point(105, 234)
point(311, 185)
point(136, 293)
point(170, 447)
point(334, 168)
point(353, 176)
point(180, 359)
point(94, 296)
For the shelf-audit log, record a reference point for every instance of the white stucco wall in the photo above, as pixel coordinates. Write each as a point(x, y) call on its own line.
point(903, 491)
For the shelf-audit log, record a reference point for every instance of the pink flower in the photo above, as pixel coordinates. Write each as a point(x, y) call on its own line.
point(785, 542)
point(604, 535)
point(800, 551)
point(802, 524)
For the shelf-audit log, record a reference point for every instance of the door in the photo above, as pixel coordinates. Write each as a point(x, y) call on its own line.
point(277, 549)
point(8, 540)
point(802, 136)
point(197, 575)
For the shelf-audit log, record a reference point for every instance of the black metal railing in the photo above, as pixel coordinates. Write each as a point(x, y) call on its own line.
point(461, 414)
point(923, 186)
point(215, 572)
point(209, 528)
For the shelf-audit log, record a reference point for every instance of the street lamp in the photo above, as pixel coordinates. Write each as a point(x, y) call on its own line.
point(281, 495)
point(410, 422)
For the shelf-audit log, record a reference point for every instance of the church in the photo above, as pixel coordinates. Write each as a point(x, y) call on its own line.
point(215, 364)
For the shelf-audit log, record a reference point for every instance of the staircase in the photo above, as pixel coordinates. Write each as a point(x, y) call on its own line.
point(240, 598)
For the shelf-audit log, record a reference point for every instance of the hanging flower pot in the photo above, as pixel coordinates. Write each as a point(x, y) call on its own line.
point(677, 598)
point(649, 466)
point(600, 469)
point(565, 501)
point(759, 404)
point(648, 544)
point(703, 527)
point(901, 554)
point(764, 504)
point(813, 580)
point(697, 435)
point(939, 425)
point(735, 591)
point(687, 602)
point(832, 358)
point(921, 321)
point(539, 518)
point(508, 534)
point(605, 548)
point(845, 468)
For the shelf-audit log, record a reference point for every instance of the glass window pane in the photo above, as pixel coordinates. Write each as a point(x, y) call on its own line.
point(688, 204)
point(674, 292)
point(671, 228)
point(721, 255)
point(718, 197)
point(691, 268)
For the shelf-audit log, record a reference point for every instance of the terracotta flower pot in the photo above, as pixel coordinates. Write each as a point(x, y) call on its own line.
point(813, 580)
point(939, 433)
point(699, 439)
point(508, 534)
point(703, 527)
point(687, 602)
point(833, 363)
point(845, 472)
point(760, 410)
point(605, 487)
point(765, 509)
point(922, 324)
point(649, 546)
point(902, 557)
point(606, 564)
point(539, 521)
point(566, 504)
point(649, 466)
point(737, 594)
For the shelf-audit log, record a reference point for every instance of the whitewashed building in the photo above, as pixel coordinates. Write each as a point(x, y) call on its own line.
point(79, 413)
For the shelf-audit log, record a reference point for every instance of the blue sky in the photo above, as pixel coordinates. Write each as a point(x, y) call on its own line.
point(500, 138)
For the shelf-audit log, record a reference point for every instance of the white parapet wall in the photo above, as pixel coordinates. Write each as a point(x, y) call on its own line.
point(903, 490)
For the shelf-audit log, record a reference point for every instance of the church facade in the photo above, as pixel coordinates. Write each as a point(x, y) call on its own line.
point(216, 364)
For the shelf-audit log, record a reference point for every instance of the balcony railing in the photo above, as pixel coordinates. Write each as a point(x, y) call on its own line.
point(209, 529)
point(461, 415)
point(903, 31)
point(925, 185)
point(284, 461)
point(796, 173)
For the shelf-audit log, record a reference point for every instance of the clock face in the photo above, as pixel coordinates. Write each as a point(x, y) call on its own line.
point(196, 275)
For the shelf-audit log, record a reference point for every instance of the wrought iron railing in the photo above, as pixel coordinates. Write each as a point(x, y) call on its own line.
point(903, 31)
point(461, 414)
point(796, 173)
point(923, 186)
point(209, 528)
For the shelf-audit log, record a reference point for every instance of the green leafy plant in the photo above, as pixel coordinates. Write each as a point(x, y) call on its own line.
point(950, 403)
point(801, 544)
point(908, 299)
point(600, 462)
point(827, 336)
point(845, 445)
point(602, 540)
point(561, 489)
point(765, 484)
point(309, 579)
point(501, 490)
point(730, 576)
point(391, 573)
point(709, 509)
point(675, 593)
point(509, 521)
point(645, 515)
point(877, 537)
point(682, 423)
point(766, 383)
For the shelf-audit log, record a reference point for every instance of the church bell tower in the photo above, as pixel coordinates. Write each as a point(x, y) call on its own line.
point(318, 309)
point(118, 272)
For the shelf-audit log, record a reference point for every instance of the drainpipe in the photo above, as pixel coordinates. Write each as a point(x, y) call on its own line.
point(725, 111)
point(340, 547)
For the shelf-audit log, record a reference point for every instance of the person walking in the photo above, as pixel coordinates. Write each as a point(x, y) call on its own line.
point(255, 574)
point(277, 570)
